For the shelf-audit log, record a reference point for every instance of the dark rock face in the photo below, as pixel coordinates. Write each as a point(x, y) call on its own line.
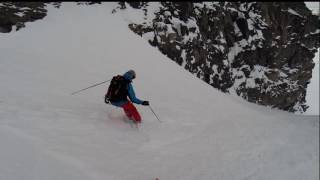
point(17, 13)
point(88, 2)
point(260, 51)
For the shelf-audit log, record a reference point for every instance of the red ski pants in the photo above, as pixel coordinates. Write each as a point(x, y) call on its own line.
point(131, 111)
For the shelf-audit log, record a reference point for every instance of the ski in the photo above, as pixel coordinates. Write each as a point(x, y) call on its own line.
point(132, 123)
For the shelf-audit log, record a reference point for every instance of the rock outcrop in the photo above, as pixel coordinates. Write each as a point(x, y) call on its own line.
point(261, 51)
point(16, 14)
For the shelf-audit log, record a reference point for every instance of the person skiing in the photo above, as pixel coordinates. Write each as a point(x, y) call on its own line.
point(118, 92)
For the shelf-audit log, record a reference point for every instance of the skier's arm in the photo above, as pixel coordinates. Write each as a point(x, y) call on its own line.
point(132, 95)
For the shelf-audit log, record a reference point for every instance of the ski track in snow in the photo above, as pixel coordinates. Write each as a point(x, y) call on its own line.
point(46, 133)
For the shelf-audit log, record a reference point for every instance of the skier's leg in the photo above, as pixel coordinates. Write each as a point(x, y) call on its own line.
point(135, 114)
point(126, 109)
point(132, 110)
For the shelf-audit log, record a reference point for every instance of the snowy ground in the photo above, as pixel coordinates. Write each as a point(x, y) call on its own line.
point(48, 134)
point(312, 97)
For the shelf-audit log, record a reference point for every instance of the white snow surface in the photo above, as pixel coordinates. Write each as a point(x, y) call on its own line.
point(48, 134)
point(313, 6)
point(312, 96)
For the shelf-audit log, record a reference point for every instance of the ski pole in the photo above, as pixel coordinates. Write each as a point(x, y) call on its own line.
point(90, 87)
point(154, 113)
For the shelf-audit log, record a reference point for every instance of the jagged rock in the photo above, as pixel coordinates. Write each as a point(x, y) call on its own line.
point(6, 28)
point(261, 50)
point(18, 13)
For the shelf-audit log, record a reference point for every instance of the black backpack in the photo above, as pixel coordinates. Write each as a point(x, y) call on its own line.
point(118, 89)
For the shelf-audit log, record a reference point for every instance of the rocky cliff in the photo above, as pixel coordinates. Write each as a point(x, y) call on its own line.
point(14, 15)
point(261, 51)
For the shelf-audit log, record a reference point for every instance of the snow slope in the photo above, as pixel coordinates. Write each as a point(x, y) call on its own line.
point(48, 134)
point(312, 96)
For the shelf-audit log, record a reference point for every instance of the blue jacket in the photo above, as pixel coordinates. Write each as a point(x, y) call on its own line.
point(129, 76)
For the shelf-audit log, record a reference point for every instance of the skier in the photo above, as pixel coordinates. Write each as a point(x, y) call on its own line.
point(118, 92)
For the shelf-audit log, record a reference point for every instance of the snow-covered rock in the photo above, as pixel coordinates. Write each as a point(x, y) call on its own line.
point(217, 41)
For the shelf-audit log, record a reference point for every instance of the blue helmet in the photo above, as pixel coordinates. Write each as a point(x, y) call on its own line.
point(129, 75)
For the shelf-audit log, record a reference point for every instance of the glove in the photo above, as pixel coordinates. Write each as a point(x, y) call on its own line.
point(106, 100)
point(145, 103)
